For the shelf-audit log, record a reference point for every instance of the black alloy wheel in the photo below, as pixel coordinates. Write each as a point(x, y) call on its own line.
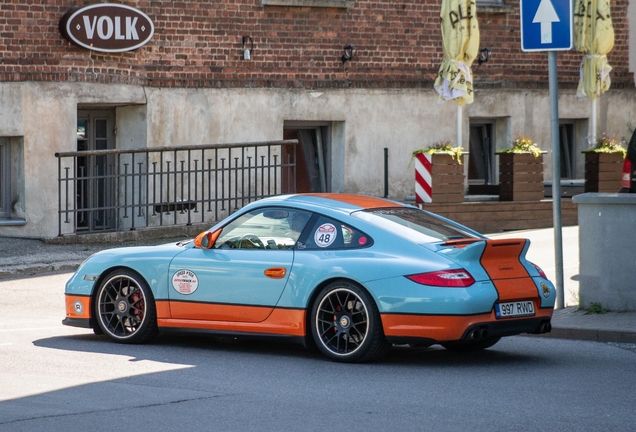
point(346, 324)
point(125, 308)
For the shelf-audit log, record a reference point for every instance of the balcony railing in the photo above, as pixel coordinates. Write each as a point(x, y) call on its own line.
point(117, 190)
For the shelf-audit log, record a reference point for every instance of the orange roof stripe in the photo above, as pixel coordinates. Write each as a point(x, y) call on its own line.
point(358, 200)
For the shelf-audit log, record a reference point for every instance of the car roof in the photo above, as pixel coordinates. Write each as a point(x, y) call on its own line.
point(343, 202)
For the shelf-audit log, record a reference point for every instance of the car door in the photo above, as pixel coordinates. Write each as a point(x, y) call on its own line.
point(242, 277)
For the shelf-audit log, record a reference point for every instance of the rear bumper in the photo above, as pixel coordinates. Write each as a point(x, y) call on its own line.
point(407, 328)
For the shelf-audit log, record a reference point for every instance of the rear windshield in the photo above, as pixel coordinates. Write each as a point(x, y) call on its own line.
point(414, 224)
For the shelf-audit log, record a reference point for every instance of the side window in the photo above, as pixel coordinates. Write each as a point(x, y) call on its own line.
point(268, 228)
point(327, 233)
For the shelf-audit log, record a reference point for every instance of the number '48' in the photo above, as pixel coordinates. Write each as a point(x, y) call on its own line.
point(324, 238)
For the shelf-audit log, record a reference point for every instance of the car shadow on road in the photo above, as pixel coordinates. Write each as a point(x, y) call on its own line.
point(176, 346)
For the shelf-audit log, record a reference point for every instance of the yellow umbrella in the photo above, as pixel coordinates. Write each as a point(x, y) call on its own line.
point(594, 37)
point(460, 36)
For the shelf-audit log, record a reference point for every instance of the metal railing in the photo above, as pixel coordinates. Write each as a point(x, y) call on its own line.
point(117, 190)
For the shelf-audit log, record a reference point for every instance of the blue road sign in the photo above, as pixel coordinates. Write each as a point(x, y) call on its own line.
point(546, 25)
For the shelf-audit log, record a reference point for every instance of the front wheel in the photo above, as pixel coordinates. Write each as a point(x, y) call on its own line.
point(125, 308)
point(346, 324)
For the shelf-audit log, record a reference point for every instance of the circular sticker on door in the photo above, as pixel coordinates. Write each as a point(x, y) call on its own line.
point(325, 235)
point(185, 282)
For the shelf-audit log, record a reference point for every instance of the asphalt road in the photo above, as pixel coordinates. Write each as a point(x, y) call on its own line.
point(57, 378)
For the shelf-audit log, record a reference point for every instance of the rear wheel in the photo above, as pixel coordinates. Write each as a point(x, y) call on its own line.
point(470, 346)
point(125, 308)
point(346, 324)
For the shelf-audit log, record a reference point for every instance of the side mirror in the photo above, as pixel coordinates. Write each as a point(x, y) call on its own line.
point(206, 239)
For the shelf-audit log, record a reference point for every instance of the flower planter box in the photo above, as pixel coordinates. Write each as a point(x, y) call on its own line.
point(603, 171)
point(446, 178)
point(520, 177)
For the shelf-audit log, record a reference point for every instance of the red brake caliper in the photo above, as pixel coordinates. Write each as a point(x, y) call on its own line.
point(135, 298)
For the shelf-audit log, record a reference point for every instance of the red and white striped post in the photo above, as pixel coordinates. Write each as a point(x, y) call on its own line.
point(423, 179)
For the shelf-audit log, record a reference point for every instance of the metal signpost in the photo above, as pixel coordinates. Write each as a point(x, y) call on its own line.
point(546, 25)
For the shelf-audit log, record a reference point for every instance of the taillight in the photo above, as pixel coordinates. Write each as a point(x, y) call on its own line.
point(541, 272)
point(444, 278)
point(627, 173)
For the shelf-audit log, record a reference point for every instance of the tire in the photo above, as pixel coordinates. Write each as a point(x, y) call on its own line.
point(471, 346)
point(346, 324)
point(125, 308)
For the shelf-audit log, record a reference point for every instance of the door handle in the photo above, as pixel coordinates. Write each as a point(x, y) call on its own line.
point(275, 272)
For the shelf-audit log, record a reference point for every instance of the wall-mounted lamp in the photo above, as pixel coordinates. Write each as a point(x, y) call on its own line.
point(247, 45)
point(349, 52)
point(484, 56)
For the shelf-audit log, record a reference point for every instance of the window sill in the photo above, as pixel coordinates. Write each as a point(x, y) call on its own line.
point(348, 4)
point(12, 221)
point(494, 8)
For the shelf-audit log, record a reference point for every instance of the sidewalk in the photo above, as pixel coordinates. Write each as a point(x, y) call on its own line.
point(27, 257)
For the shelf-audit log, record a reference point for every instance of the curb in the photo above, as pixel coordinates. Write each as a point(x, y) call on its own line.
point(38, 269)
point(592, 335)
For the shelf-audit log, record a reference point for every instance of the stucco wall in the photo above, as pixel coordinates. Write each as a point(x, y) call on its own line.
point(365, 122)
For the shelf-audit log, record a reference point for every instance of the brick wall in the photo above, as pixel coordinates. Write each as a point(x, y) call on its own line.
point(198, 43)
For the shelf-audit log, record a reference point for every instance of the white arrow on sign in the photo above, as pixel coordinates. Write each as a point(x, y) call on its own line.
point(546, 15)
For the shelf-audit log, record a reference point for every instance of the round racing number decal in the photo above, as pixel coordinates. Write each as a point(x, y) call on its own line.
point(325, 235)
point(185, 282)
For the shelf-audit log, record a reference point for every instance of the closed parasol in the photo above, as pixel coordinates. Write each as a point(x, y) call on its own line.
point(593, 37)
point(460, 37)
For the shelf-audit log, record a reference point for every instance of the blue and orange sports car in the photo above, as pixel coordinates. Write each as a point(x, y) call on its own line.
point(347, 273)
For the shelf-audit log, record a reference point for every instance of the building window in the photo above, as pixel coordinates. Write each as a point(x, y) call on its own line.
point(96, 186)
point(566, 142)
point(481, 157)
point(5, 179)
point(313, 155)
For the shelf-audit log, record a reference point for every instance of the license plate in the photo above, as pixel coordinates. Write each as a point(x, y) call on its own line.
point(514, 309)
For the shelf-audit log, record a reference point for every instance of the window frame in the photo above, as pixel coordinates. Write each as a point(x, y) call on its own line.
point(345, 4)
point(487, 3)
point(5, 178)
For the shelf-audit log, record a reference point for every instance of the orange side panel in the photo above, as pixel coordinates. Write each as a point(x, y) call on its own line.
point(362, 201)
point(290, 322)
point(70, 306)
point(163, 309)
point(501, 259)
point(219, 312)
point(439, 327)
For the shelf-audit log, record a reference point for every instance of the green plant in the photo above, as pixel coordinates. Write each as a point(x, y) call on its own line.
point(608, 145)
point(444, 147)
point(596, 308)
point(523, 144)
